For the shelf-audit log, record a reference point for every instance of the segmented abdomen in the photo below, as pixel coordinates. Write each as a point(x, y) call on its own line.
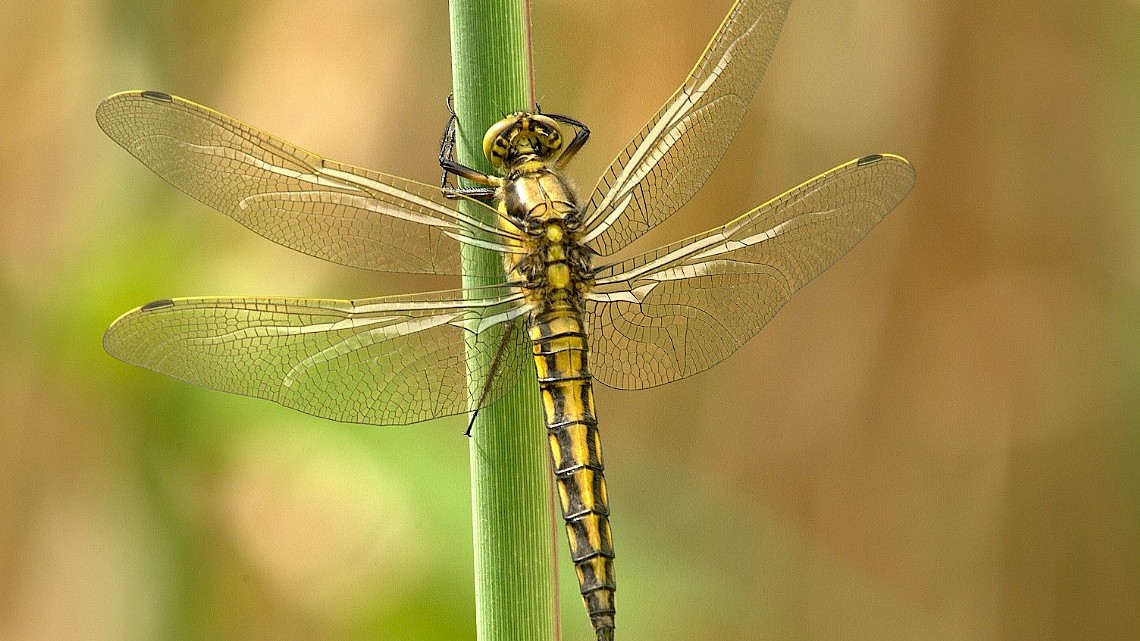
point(559, 339)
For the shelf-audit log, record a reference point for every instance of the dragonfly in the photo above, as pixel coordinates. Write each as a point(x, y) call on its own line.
point(629, 324)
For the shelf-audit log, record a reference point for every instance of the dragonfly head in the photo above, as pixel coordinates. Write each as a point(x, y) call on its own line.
point(522, 136)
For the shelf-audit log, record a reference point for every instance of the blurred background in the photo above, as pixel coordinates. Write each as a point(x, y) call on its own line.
point(938, 439)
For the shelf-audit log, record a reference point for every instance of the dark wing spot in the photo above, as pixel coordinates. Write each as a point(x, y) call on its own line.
point(157, 304)
point(867, 160)
point(157, 95)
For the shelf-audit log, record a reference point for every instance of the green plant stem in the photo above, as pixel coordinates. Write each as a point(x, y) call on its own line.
point(515, 597)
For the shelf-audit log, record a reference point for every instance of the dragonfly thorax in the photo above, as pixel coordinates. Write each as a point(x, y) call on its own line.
point(520, 138)
point(534, 195)
point(553, 263)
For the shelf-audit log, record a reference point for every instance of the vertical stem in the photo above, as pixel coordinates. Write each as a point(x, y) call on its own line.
point(515, 597)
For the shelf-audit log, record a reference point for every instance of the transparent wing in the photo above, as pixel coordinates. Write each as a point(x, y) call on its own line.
point(323, 208)
point(384, 361)
point(681, 309)
point(672, 157)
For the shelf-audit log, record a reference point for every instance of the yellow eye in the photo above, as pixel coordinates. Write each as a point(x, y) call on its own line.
point(496, 142)
point(547, 131)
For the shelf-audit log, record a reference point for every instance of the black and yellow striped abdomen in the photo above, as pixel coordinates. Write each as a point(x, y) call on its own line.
point(560, 356)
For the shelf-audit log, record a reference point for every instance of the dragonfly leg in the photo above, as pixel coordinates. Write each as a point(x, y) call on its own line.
point(447, 141)
point(581, 135)
point(451, 166)
point(491, 375)
point(485, 194)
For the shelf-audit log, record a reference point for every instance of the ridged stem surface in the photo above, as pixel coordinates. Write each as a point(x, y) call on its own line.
point(515, 597)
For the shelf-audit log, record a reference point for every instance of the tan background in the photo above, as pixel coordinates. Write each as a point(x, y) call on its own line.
point(936, 440)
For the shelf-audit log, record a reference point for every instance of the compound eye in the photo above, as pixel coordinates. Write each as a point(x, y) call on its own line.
point(546, 129)
point(496, 142)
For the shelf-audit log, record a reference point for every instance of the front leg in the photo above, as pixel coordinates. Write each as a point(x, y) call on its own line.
point(485, 195)
point(447, 162)
point(581, 135)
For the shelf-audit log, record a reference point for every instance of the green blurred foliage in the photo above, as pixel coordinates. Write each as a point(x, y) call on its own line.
point(937, 440)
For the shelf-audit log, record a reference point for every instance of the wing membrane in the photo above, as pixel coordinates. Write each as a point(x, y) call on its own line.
point(672, 157)
point(681, 309)
point(384, 361)
point(320, 207)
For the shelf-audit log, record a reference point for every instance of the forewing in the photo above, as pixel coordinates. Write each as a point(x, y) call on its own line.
point(384, 361)
point(681, 309)
point(323, 208)
point(672, 157)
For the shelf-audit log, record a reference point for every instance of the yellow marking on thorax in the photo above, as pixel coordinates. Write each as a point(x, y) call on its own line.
point(529, 167)
point(558, 275)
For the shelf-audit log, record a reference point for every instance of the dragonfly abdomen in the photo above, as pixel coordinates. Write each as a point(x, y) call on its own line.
point(558, 336)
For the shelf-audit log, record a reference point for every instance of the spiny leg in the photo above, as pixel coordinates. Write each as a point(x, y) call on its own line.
point(451, 166)
point(495, 363)
point(581, 135)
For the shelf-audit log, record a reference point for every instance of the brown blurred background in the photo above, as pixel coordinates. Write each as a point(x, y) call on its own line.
point(936, 440)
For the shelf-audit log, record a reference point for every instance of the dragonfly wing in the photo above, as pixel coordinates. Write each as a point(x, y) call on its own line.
point(320, 207)
point(672, 157)
point(681, 309)
point(385, 361)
